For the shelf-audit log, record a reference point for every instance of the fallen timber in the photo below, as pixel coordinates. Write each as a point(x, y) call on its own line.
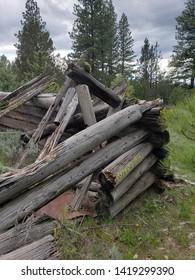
point(107, 146)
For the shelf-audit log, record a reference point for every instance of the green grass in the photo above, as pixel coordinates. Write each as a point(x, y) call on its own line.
point(157, 228)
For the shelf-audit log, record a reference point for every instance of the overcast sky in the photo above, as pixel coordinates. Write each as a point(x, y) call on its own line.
point(154, 19)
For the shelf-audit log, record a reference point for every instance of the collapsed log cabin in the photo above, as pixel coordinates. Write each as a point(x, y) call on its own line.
point(109, 141)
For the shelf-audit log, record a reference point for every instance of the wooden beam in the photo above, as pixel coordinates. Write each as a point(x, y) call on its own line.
point(80, 76)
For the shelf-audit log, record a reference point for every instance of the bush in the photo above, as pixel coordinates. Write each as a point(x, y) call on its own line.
point(180, 120)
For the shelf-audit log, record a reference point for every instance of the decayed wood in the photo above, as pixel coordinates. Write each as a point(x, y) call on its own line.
point(21, 96)
point(25, 137)
point(54, 139)
point(24, 233)
point(98, 89)
point(46, 191)
point(89, 119)
point(69, 150)
point(113, 174)
point(38, 133)
point(127, 183)
point(144, 182)
point(62, 110)
point(39, 250)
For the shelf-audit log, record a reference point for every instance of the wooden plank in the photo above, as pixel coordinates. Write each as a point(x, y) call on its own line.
point(51, 188)
point(98, 89)
point(39, 250)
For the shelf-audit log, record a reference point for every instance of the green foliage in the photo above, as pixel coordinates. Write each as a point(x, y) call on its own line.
point(35, 46)
point(7, 75)
point(125, 44)
point(181, 125)
point(10, 147)
point(183, 60)
point(149, 69)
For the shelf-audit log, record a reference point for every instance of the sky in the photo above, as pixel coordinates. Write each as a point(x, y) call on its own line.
point(154, 19)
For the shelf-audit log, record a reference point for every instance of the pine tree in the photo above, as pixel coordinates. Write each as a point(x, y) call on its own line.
point(183, 58)
point(35, 46)
point(125, 44)
point(94, 35)
point(149, 67)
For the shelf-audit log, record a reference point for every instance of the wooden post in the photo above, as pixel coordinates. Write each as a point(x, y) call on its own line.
point(86, 104)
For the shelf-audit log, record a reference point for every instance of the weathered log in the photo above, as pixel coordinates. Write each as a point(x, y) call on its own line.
point(62, 110)
point(127, 183)
point(37, 134)
point(21, 96)
point(54, 139)
point(66, 152)
point(98, 89)
point(143, 183)
point(38, 250)
point(113, 174)
point(25, 137)
point(46, 191)
point(89, 119)
point(24, 233)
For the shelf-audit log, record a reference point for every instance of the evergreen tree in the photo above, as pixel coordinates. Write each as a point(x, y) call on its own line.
point(149, 67)
point(94, 35)
point(7, 75)
point(125, 44)
point(183, 58)
point(35, 46)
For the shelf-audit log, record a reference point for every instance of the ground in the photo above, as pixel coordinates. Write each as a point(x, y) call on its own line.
point(157, 226)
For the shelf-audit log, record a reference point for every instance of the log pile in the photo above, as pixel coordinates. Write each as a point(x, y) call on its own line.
point(109, 142)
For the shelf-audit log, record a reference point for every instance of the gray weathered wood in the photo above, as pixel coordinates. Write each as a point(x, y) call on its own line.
point(98, 89)
point(24, 233)
point(144, 182)
point(113, 174)
point(127, 183)
point(66, 101)
point(38, 250)
point(46, 191)
point(69, 150)
point(18, 98)
point(86, 105)
point(54, 139)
